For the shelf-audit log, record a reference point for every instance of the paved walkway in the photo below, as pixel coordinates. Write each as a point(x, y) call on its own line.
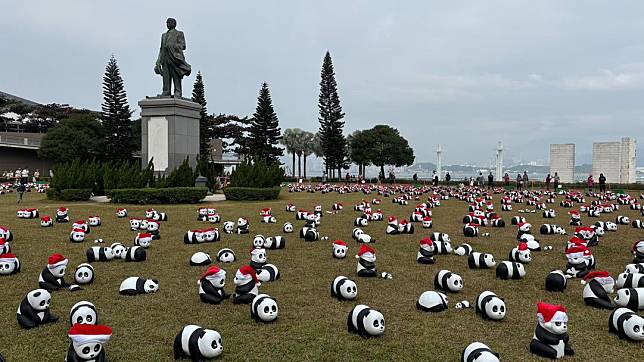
point(209, 198)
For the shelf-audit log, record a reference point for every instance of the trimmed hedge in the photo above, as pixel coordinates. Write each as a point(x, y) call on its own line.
point(252, 193)
point(170, 195)
point(69, 194)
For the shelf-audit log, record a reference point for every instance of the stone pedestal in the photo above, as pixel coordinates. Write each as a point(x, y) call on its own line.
point(169, 132)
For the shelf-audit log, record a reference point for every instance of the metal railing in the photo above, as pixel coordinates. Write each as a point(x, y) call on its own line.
point(20, 140)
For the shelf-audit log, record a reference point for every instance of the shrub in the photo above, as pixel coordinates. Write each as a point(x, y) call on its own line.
point(69, 194)
point(182, 176)
point(171, 195)
point(251, 193)
point(257, 174)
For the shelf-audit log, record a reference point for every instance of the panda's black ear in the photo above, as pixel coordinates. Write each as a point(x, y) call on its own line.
point(37, 294)
point(202, 333)
point(496, 354)
point(156, 281)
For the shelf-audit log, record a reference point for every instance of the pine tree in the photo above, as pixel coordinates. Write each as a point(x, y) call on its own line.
point(334, 143)
point(265, 132)
point(115, 116)
point(199, 96)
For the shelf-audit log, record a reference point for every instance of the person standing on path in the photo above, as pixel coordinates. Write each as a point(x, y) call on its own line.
point(506, 179)
point(556, 181)
point(548, 179)
point(602, 183)
point(519, 182)
point(525, 179)
point(490, 180)
point(591, 183)
point(448, 177)
point(20, 191)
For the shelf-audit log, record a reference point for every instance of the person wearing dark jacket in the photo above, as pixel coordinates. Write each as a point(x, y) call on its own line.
point(602, 183)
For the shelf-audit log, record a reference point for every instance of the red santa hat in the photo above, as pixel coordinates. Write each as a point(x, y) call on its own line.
point(62, 209)
point(522, 246)
point(144, 236)
point(150, 210)
point(78, 230)
point(601, 276)
point(45, 219)
point(120, 209)
point(548, 313)
point(584, 228)
point(366, 252)
point(392, 219)
point(213, 273)
point(2, 241)
point(8, 258)
point(426, 243)
point(524, 225)
point(427, 218)
point(266, 210)
point(578, 252)
point(573, 212)
point(404, 222)
point(638, 246)
point(247, 273)
point(340, 244)
point(575, 240)
point(55, 260)
point(88, 333)
point(135, 218)
point(79, 222)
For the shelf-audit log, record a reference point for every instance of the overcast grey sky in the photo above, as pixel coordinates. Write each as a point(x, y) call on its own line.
point(463, 74)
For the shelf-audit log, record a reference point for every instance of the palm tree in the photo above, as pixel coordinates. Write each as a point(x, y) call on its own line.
point(290, 140)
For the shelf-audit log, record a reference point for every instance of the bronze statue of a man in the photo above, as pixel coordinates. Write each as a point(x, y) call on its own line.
point(171, 64)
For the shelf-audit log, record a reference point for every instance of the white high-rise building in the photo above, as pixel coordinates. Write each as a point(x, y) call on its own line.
point(616, 160)
point(499, 161)
point(562, 161)
point(439, 162)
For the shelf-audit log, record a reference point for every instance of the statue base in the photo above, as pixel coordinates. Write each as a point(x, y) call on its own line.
point(169, 132)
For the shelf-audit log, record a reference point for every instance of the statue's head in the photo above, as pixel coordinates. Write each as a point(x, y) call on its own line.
point(171, 23)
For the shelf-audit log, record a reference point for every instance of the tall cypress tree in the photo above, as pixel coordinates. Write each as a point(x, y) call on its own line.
point(333, 141)
point(115, 116)
point(199, 96)
point(265, 132)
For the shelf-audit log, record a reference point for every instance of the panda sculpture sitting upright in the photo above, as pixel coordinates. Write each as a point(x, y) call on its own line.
point(211, 286)
point(87, 343)
point(246, 284)
point(34, 309)
point(550, 339)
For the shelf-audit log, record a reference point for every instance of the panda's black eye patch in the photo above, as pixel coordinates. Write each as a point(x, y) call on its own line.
point(266, 309)
point(558, 324)
point(495, 309)
point(274, 308)
point(86, 350)
point(79, 319)
point(42, 303)
point(376, 323)
point(97, 347)
point(502, 309)
point(213, 344)
point(636, 329)
point(89, 318)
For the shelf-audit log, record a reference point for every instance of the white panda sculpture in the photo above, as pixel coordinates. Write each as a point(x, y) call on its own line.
point(287, 228)
point(479, 352)
point(432, 301)
point(84, 274)
point(490, 306)
point(478, 260)
point(365, 321)
point(197, 343)
point(447, 281)
point(87, 342)
point(626, 324)
point(268, 273)
point(9, 264)
point(83, 312)
point(510, 270)
point(264, 308)
point(135, 254)
point(631, 298)
point(556, 281)
point(598, 286)
point(99, 253)
point(274, 242)
point(339, 249)
point(118, 250)
point(137, 285)
point(521, 254)
point(551, 339)
point(34, 309)
point(200, 259)
point(463, 250)
point(226, 255)
point(629, 280)
point(343, 288)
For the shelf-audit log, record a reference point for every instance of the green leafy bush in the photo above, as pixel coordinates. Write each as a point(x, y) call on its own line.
point(69, 194)
point(182, 176)
point(251, 193)
point(258, 174)
point(171, 195)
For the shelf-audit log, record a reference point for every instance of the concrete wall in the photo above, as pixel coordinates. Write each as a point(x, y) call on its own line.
point(13, 158)
point(562, 161)
point(628, 158)
point(606, 160)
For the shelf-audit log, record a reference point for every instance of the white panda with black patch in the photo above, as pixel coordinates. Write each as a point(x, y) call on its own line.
point(356, 233)
point(214, 218)
point(365, 238)
point(447, 281)
point(258, 241)
point(432, 301)
point(510, 270)
point(339, 249)
point(442, 247)
point(211, 286)
point(242, 226)
point(427, 222)
point(425, 253)
point(344, 288)
point(463, 249)
point(626, 324)
point(87, 342)
point(121, 212)
point(634, 268)
point(5, 234)
point(197, 343)
point(637, 224)
point(630, 280)
point(631, 298)
point(360, 221)
point(622, 220)
point(52, 276)
point(606, 225)
point(470, 230)
point(135, 254)
point(287, 228)
point(264, 308)
point(366, 322)
point(275, 242)
point(226, 255)
point(137, 285)
point(258, 258)
point(311, 234)
point(9, 264)
point(5, 247)
point(490, 306)
point(94, 220)
point(99, 253)
point(598, 285)
point(550, 339)
point(34, 309)
point(479, 352)
point(83, 312)
point(521, 254)
point(77, 236)
point(200, 259)
point(118, 250)
point(84, 274)
point(194, 236)
point(549, 214)
point(246, 285)
point(211, 235)
point(556, 281)
point(268, 273)
point(229, 227)
point(46, 221)
point(497, 222)
point(478, 260)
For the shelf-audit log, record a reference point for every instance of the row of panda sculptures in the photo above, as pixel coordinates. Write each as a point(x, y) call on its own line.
point(550, 339)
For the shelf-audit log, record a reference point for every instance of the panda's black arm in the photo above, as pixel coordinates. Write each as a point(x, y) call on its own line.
point(48, 286)
point(541, 349)
point(568, 351)
point(210, 298)
point(177, 349)
point(49, 317)
point(25, 322)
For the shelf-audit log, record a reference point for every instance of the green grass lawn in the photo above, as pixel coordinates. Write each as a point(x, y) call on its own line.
point(311, 325)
